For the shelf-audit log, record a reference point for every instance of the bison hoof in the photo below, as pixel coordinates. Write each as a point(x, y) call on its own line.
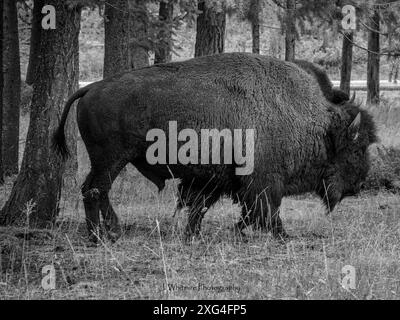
point(105, 233)
point(113, 236)
point(95, 234)
point(238, 234)
point(94, 240)
point(191, 235)
point(241, 237)
point(281, 235)
point(113, 232)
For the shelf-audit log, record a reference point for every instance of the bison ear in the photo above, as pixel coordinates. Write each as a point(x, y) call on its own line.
point(354, 128)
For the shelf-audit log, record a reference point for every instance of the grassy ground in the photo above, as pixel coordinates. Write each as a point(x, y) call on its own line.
point(151, 260)
point(363, 232)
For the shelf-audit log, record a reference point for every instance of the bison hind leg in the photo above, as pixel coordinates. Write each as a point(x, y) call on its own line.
point(91, 204)
point(95, 197)
point(110, 219)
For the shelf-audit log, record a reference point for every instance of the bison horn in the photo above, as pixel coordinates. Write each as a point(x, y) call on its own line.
point(355, 127)
point(353, 97)
point(356, 122)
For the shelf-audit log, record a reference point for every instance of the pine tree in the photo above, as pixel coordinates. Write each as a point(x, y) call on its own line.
point(163, 51)
point(38, 184)
point(1, 91)
point(210, 36)
point(373, 60)
point(12, 89)
point(125, 28)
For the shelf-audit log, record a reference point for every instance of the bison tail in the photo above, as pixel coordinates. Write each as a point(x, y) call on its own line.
point(59, 144)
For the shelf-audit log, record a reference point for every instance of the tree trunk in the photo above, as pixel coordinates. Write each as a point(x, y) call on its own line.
point(290, 39)
point(11, 90)
point(139, 21)
point(116, 34)
point(125, 29)
point(1, 91)
point(325, 40)
point(254, 17)
point(163, 52)
point(255, 30)
point(37, 188)
point(210, 33)
point(36, 27)
point(347, 60)
point(373, 61)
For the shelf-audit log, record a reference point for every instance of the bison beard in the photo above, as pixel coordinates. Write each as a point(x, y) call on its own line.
point(304, 143)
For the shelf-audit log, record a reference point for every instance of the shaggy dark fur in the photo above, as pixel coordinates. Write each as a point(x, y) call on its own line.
point(333, 95)
point(303, 142)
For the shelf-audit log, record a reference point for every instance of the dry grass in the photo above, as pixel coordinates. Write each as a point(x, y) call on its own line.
point(363, 232)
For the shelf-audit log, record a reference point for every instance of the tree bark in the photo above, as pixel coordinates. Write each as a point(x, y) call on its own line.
point(290, 38)
point(38, 185)
point(254, 17)
point(373, 61)
point(210, 35)
point(255, 30)
point(139, 26)
point(11, 90)
point(163, 52)
point(36, 28)
point(1, 92)
point(116, 35)
point(325, 40)
point(125, 29)
point(347, 61)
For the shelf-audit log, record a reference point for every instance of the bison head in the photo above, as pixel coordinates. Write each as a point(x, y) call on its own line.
point(352, 131)
point(339, 96)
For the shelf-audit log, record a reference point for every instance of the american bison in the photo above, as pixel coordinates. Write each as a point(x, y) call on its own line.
point(302, 142)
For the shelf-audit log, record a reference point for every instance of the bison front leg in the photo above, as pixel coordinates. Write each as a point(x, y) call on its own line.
point(268, 218)
point(242, 224)
point(195, 218)
point(262, 211)
point(187, 197)
point(274, 224)
point(198, 202)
